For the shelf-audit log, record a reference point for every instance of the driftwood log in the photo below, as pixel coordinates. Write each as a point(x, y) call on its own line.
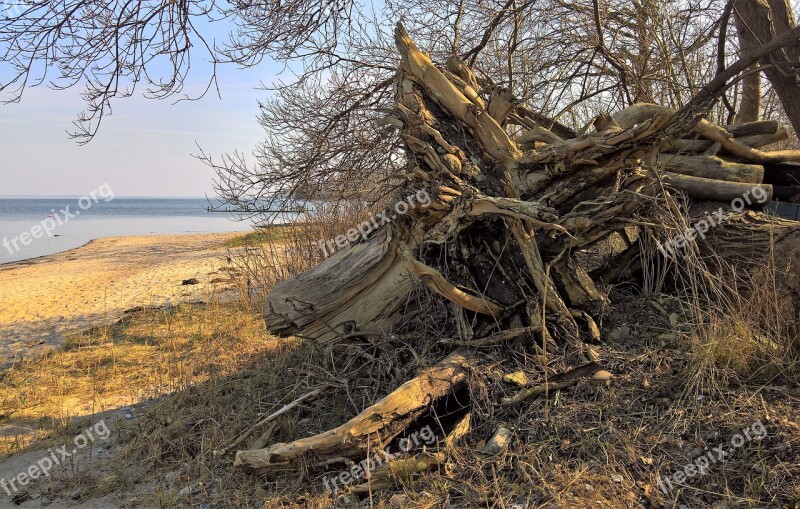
point(515, 199)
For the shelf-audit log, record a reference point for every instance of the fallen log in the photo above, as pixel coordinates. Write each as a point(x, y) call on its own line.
point(762, 140)
point(749, 239)
point(716, 190)
point(683, 146)
point(756, 128)
point(710, 167)
point(374, 427)
point(739, 149)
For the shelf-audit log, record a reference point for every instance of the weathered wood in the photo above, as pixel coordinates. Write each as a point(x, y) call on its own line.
point(711, 167)
point(762, 140)
point(640, 112)
point(556, 383)
point(487, 131)
point(754, 140)
point(360, 289)
point(501, 241)
point(580, 290)
point(536, 133)
point(501, 103)
point(715, 190)
point(374, 427)
point(739, 149)
point(748, 240)
point(357, 289)
point(752, 128)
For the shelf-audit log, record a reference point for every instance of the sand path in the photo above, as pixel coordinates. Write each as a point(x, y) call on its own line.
point(45, 298)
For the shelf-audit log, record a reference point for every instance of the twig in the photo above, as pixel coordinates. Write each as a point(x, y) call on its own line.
point(558, 382)
point(496, 338)
point(309, 395)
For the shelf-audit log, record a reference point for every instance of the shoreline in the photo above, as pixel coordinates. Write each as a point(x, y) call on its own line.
point(91, 241)
point(45, 299)
point(34, 258)
point(79, 233)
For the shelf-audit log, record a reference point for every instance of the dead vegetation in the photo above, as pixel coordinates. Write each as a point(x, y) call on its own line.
point(585, 446)
point(686, 377)
point(526, 314)
point(496, 259)
point(272, 254)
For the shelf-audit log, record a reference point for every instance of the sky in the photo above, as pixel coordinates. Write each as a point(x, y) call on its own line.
point(144, 148)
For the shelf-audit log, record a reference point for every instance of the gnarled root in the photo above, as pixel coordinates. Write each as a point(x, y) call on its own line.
point(374, 427)
point(504, 238)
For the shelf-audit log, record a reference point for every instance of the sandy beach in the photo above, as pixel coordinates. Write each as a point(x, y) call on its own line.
point(45, 298)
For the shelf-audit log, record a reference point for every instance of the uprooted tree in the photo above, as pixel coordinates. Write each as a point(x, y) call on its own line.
point(502, 239)
point(518, 200)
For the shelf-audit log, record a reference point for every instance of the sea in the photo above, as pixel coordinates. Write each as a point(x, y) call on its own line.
point(33, 227)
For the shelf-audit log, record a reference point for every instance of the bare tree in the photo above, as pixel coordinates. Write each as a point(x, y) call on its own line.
point(113, 48)
point(760, 21)
point(750, 106)
point(323, 134)
point(529, 126)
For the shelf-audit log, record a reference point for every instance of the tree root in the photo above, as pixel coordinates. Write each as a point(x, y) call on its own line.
point(374, 427)
point(502, 239)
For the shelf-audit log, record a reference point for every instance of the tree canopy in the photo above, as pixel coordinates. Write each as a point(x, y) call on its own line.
point(324, 132)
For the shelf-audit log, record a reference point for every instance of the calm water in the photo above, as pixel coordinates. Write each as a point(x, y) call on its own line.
point(20, 218)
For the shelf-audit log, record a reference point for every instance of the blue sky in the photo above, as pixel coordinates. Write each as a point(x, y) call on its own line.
point(144, 149)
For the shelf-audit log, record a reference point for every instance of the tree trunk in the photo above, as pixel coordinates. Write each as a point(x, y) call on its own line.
point(710, 167)
point(376, 426)
point(750, 105)
point(764, 20)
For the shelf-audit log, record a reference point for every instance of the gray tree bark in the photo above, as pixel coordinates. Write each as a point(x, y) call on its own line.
point(764, 20)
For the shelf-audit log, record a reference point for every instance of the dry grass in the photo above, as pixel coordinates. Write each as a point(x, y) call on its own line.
point(152, 353)
point(694, 368)
point(743, 334)
point(203, 374)
point(156, 353)
point(736, 318)
point(265, 258)
point(210, 372)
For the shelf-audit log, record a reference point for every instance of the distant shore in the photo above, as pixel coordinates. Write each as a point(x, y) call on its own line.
point(42, 299)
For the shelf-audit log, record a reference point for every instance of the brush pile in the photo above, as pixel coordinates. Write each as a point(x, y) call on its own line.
point(516, 202)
